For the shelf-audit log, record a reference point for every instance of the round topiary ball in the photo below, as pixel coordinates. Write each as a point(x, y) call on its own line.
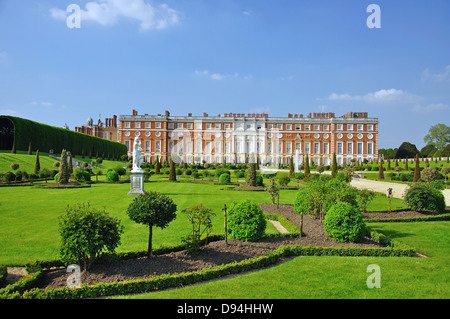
point(245, 221)
point(224, 178)
point(344, 223)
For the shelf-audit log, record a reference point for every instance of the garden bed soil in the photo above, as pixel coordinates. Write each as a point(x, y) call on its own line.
point(215, 253)
point(403, 214)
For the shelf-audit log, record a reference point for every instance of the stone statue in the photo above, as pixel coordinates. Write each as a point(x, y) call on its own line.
point(137, 173)
point(137, 155)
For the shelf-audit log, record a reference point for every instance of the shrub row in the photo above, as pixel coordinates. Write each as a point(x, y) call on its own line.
point(430, 218)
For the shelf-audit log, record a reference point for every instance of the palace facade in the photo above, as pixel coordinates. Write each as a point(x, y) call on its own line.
point(244, 138)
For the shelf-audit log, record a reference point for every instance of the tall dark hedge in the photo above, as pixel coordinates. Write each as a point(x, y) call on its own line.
point(45, 137)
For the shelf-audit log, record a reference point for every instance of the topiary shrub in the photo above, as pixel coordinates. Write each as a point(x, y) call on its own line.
point(112, 176)
point(224, 178)
point(424, 197)
point(300, 202)
point(86, 233)
point(14, 166)
point(245, 221)
point(344, 223)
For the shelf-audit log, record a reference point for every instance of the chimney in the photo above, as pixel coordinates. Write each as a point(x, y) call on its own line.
point(295, 115)
point(135, 112)
point(190, 114)
point(205, 115)
point(167, 113)
point(301, 116)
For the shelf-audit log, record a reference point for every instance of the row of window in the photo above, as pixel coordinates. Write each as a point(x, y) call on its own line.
point(239, 126)
point(258, 147)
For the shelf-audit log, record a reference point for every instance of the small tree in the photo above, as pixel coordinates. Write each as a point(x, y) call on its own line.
point(86, 233)
point(37, 164)
point(172, 173)
point(70, 165)
point(63, 176)
point(307, 171)
point(157, 166)
point(251, 174)
point(445, 171)
point(334, 166)
point(416, 169)
point(365, 196)
point(152, 209)
point(200, 217)
point(430, 174)
point(273, 190)
point(29, 149)
point(381, 171)
point(291, 167)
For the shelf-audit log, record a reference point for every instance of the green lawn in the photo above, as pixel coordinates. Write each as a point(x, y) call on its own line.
point(29, 215)
point(343, 277)
point(25, 161)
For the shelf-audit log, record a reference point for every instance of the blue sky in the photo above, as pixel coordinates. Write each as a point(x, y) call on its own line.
point(216, 56)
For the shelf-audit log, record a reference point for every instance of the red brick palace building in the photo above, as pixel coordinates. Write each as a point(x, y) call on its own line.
point(243, 138)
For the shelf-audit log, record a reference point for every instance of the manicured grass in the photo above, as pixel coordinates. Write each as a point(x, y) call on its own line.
point(343, 277)
point(25, 161)
point(29, 215)
point(381, 203)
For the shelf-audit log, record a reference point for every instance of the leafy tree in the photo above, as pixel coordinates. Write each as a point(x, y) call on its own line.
point(152, 209)
point(446, 151)
point(86, 233)
point(406, 150)
point(438, 135)
point(428, 150)
point(37, 164)
point(63, 175)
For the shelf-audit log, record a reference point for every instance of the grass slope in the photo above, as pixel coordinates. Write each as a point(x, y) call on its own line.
point(343, 277)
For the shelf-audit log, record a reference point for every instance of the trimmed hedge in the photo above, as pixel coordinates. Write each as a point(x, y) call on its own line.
point(430, 218)
point(45, 137)
point(22, 289)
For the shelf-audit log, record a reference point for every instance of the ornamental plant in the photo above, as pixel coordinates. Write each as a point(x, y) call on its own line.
point(224, 178)
point(245, 221)
point(344, 223)
point(422, 196)
point(200, 218)
point(86, 234)
point(152, 209)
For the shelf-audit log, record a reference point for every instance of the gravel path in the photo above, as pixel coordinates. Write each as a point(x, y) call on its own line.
point(398, 189)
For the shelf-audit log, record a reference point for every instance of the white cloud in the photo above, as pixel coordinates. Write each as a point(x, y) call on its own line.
point(247, 13)
point(430, 108)
point(108, 13)
point(48, 104)
point(438, 77)
point(219, 76)
point(389, 95)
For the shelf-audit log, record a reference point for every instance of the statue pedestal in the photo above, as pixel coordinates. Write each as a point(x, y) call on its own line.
point(137, 183)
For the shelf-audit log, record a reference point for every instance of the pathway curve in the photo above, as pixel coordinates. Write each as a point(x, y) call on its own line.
point(398, 189)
